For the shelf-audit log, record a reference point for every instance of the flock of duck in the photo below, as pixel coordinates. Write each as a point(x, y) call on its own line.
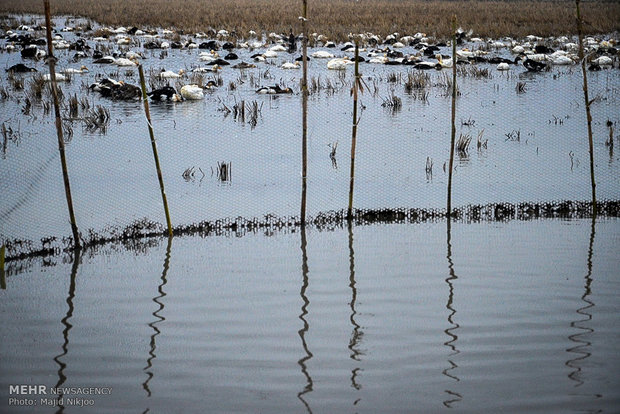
point(220, 49)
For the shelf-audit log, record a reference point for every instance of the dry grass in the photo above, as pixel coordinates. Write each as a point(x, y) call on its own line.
point(492, 18)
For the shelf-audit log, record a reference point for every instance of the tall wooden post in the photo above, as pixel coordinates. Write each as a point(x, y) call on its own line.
point(304, 109)
point(154, 147)
point(51, 60)
point(356, 82)
point(588, 102)
point(453, 129)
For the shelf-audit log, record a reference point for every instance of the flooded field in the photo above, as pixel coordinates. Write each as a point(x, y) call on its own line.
point(511, 307)
point(527, 130)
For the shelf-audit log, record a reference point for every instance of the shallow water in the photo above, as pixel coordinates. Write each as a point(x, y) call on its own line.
point(504, 317)
point(114, 180)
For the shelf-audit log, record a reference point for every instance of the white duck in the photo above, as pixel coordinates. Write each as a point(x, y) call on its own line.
point(209, 56)
point(82, 69)
point(339, 63)
point(59, 77)
point(561, 60)
point(322, 54)
point(278, 48)
point(378, 59)
point(168, 74)
point(290, 65)
point(270, 54)
point(603, 61)
point(124, 62)
point(192, 92)
point(444, 63)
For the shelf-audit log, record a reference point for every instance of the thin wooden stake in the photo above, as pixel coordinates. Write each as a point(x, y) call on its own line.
point(453, 130)
point(154, 146)
point(588, 102)
point(356, 82)
point(2, 277)
point(304, 109)
point(51, 60)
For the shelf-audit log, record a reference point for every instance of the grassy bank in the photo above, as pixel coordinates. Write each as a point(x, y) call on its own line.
point(336, 18)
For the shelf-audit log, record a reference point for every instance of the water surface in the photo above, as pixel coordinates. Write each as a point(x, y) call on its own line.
point(501, 317)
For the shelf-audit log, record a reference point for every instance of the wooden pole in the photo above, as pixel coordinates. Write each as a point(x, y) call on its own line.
point(356, 81)
point(588, 103)
point(453, 130)
point(154, 146)
point(2, 276)
point(304, 104)
point(51, 60)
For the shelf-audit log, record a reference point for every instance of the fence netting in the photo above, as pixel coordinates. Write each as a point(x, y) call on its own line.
point(235, 155)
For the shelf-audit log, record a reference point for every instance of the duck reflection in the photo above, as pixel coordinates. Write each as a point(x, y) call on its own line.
point(357, 334)
point(454, 396)
point(580, 339)
point(158, 318)
point(302, 332)
point(58, 359)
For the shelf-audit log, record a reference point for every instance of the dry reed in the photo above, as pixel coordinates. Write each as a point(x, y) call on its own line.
point(462, 145)
point(492, 18)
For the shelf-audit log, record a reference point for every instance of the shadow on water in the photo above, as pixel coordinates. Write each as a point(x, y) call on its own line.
point(357, 334)
point(302, 332)
point(142, 233)
point(62, 378)
point(158, 318)
point(582, 344)
point(454, 396)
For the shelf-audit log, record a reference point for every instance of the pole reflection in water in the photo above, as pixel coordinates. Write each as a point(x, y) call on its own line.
point(2, 277)
point(357, 333)
point(582, 345)
point(62, 378)
point(159, 318)
point(304, 311)
point(451, 343)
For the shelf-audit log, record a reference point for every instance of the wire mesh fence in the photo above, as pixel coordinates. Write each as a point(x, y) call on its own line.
point(229, 132)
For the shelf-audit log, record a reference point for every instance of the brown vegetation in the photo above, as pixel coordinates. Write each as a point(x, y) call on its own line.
point(338, 18)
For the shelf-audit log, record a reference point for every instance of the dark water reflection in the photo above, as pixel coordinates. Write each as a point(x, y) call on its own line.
point(454, 396)
point(356, 334)
point(306, 327)
point(582, 350)
point(158, 300)
point(389, 330)
point(58, 359)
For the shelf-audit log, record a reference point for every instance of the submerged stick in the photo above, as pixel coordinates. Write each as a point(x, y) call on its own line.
point(588, 102)
point(154, 146)
point(51, 60)
point(304, 109)
point(453, 130)
point(2, 277)
point(354, 131)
